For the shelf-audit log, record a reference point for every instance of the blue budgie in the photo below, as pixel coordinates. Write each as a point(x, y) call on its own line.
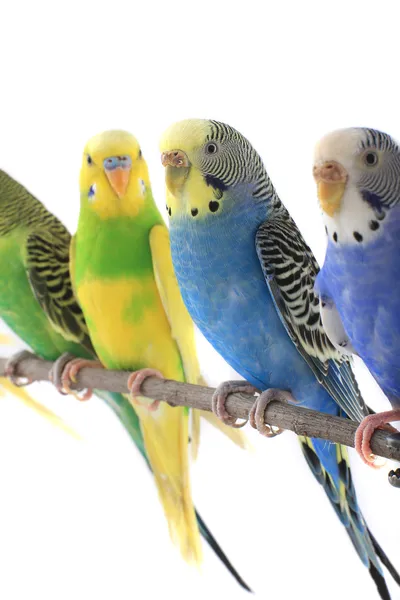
point(247, 278)
point(357, 172)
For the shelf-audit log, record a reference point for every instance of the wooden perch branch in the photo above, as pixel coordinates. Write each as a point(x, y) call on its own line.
point(294, 418)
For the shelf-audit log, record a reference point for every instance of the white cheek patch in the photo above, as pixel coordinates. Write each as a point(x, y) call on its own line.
point(142, 187)
point(355, 223)
point(92, 193)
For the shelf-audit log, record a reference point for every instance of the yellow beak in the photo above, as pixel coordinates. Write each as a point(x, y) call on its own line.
point(330, 195)
point(119, 180)
point(331, 179)
point(177, 167)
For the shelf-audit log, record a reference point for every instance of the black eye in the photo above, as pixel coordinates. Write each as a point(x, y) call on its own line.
point(89, 159)
point(370, 159)
point(211, 148)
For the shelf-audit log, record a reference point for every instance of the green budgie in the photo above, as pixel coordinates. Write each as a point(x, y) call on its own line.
point(37, 300)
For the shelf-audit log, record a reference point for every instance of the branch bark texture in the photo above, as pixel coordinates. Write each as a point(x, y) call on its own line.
point(301, 421)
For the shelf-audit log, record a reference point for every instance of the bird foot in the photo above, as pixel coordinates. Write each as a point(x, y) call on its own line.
point(11, 368)
point(366, 430)
point(220, 396)
point(57, 369)
point(257, 413)
point(65, 370)
point(134, 384)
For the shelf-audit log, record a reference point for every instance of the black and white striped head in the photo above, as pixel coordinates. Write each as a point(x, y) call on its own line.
point(207, 162)
point(357, 172)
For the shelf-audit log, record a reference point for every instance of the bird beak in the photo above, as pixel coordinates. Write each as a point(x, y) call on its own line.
point(175, 158)
point(331, 178)
point(119, 179)
point(177, 166)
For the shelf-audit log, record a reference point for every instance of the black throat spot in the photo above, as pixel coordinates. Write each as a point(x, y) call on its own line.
point(217, 184)
point(373, 200)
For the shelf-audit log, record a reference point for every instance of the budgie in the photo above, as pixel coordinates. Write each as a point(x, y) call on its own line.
point(125, 284)
point(357, 171)
point(37, 300)
point(246, 276)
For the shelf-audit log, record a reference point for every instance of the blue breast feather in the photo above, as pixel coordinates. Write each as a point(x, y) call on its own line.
point(364, 283)
point(223, 287)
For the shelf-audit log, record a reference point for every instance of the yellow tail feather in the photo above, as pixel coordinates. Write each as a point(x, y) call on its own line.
point(165, 434)
point(235, 435)
point(22, 394)
point(195, 433)
point(7, 340)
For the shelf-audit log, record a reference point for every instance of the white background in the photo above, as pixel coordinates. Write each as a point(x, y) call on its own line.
point(80, 519)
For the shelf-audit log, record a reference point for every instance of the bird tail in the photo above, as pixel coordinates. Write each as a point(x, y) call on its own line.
point(129, 419)
point(330, 466)
point(235, 435)
point(127, 416)
point(166, 436)
point(19, 392)
point(212, 542)
point(195, 433)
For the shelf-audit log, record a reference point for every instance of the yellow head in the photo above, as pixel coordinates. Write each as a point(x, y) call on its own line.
point(114, 177)
point(181, 147)
point(206, 163)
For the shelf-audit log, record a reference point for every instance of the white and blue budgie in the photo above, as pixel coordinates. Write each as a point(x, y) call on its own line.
point(357, 172)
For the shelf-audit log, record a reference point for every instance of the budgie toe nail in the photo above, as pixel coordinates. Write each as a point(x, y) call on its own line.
point(257, 413)
point(11, 368)
point(69, 372)
point(220, 396)
point(134, 384)
point(57, 369)
point(366, 430)
point(394, 478)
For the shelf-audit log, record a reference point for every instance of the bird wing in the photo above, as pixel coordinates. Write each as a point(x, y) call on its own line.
point(181, 324)
point(46, 259)
point(290, 270)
